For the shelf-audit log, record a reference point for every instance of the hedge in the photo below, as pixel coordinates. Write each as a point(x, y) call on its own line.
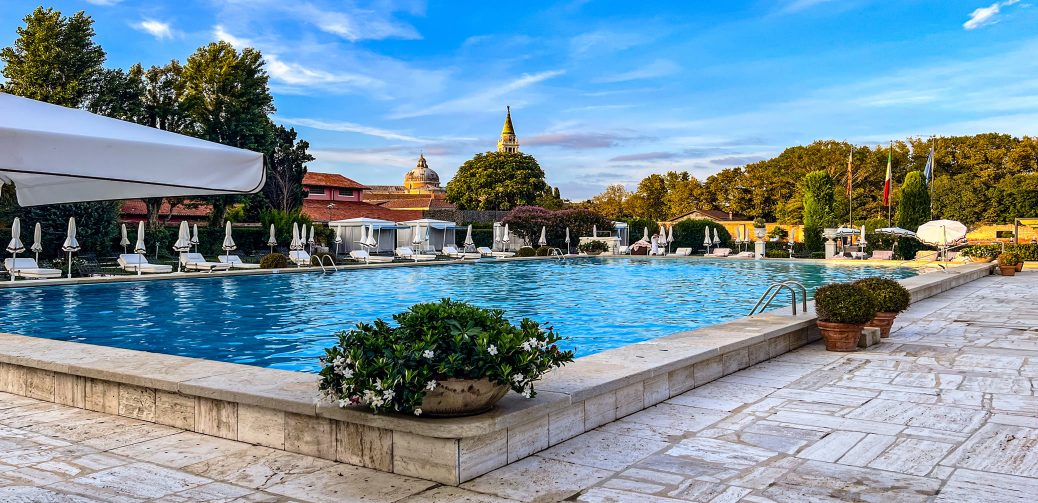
point(1028, 252)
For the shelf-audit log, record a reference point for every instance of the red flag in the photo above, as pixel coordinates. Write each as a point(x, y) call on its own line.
point(886, 183)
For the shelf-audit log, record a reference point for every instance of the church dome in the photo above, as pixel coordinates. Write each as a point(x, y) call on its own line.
point(421, 176)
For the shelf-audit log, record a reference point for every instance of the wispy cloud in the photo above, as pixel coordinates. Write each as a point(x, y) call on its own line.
point(104, 3)
point(480, 101)
point(351, 127)
point(155, 28)
point(578, 140)
point(356, 24)
point(239, 43)
point(295, 74)
point(644, 156)
point(986, 15)
point(658, 68)
point(799, 5)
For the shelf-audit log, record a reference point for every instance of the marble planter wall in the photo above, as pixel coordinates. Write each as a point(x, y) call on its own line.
point(280, 409)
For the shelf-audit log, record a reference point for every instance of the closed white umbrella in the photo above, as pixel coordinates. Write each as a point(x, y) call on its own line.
point(313, 235)
point(338, 239)
point(183, 243)
point(594, 231)
point(71, 244)
point(37, 241)
point(416, 236)
point(295, 244)
point(544, 239)
point(792, 235)
point(706, 238)
point(372, 241)
point(428, 237)
point(302, 237)
point(228, 241)
point(670, 235)
point(15, 246)
point(124, 240)
point(862, 235)
point(505, 238)
point(469, 243)
point(272, 241)
point(363, 241)
point(645, 235)
point(194, 236)
point(139, 246)
point(567, 240)
point(717, 237)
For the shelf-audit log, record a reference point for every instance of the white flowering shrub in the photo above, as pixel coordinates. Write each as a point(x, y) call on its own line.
point(390, 368)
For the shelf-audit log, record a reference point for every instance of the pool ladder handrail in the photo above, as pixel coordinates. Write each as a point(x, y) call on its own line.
point(557, 252)
point(320, 262)
point(775, 289)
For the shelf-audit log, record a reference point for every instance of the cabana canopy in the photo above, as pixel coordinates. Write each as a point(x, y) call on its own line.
point(55, 154)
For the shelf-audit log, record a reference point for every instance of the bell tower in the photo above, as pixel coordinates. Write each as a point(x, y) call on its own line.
point(508, 142)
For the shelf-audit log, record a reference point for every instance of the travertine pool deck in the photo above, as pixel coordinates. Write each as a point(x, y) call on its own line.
point(945, 410)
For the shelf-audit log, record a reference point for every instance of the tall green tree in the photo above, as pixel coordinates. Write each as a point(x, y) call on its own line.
point(612, 202)
point(54, 58)
point(913, 209)
point(818, 207)
point(497, 181)
point(286, 166)
point(227, 99)
point(650, 200)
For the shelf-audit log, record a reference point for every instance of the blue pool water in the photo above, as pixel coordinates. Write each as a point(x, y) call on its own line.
point(285, 320)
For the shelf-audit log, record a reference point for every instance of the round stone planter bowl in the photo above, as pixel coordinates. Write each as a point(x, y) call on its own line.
point(462, 397)
point(883, 321)
point(1007, 270)
point(841, 337)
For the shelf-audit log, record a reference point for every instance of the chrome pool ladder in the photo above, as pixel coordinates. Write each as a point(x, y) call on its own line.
point(557, 252)
point(320, 262)
point(775, 289)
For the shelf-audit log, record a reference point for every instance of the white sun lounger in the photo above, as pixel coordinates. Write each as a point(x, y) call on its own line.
point(135, 262)
point(367, 258)
point(299, 257)
point(745, 254)
point(721, 252)
point(235, 262)
point(405, 252)
point(197, 262)
point(487, 252)
point(28, 268)
point(682, 252)
point(453, 252)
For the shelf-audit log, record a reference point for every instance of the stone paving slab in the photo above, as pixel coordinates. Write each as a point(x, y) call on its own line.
point(945, 410)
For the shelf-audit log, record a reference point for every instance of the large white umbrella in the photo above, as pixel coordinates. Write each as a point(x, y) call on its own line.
point(124, 240)
point(469, 243)
point(942, 232)
point(139, 247)
point(544, 239)
point(71, 244)
point(37, 241)
point(55, 154)
point(895, 231)
point(15, 246)
point(717, 237)
point(194, 236)
point(295, 244)
point(228, 241)
point(272, 241)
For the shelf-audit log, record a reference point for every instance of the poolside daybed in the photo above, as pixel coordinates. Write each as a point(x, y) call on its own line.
point(487, 252)
point(367, 258)
point(721, 252)
point(883, 254)
point(197, 262)
point(453, 252)
point(405, 252)
point(682, 252)
point(28, 268)
point(235, 262)
point(299, 258)
point(135, 262)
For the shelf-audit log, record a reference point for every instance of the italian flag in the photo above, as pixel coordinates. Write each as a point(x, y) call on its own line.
point(886, 182)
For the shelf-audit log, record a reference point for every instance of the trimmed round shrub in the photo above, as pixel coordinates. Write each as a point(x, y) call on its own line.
point(274, 261)
point(890, 295)
point(526, 251)
point(776, 253)
point(1009, 259)
point(593, 246)
point(844, 303)
point(390, 368)
point(543, 251)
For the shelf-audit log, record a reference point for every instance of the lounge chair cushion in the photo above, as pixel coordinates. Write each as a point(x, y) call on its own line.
point(682, 252)
point(722, 252)
point(198, 262)
point(28, 268)
point(135, 262)
point(300, 257)
point(235, 262)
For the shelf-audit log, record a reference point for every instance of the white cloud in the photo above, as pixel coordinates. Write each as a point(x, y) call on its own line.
point(799, 5)
point(986, 15)
point(351, 127)
point(360, 24)
point(658, 68)
point(155, 28)
point(239, 43)
point(480, 101)
point(295, 74)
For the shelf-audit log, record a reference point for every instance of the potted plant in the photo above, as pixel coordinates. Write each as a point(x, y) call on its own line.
point(843, 310)
point(594, 247)
point(440, 359)
point(891, 298)
point(1008, 262)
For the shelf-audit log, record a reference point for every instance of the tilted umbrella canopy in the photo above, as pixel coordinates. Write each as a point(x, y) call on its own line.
point(124, 240)
point(37, 239)
point(895, 231)
point(468, 237)
point(55, 154)
point(942, 232)
point(544, 239)
point(139, 247)
point(706, 239)
point(717, 237)
point(183, 242)
point(272, 240)
point(71, 244)
point(16, 245)
point(228, 241)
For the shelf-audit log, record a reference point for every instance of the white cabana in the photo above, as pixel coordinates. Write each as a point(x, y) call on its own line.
point(622, 233)
point(55, 154)
point(71, 244)
point(437, 233)
point(358, 233)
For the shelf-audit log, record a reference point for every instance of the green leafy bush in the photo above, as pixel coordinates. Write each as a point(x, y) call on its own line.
point(818, 255)
point(890, 295)
point(844, 303)
point(390, 368)
point(594, 246)
point(1027, 252)
point(274, 261)
point(776, 253)
point(1009, 259)
point(526, 251)
point(543, 251)
point(689, 234)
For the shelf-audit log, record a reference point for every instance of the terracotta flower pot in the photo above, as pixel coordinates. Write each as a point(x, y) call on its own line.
point(1019, 267)
point(840, 336)
point(1007, 270)
point(462, 397)
point(883, 321)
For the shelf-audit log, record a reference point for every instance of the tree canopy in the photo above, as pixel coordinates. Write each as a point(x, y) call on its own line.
point(497, 181)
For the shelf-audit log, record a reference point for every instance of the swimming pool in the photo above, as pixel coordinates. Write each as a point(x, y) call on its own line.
point(285, 320)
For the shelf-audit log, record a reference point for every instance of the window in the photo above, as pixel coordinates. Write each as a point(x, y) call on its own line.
point(316, 191)
point(346, 192)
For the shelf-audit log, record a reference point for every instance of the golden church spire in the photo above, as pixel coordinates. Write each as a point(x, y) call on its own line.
point(508, 142)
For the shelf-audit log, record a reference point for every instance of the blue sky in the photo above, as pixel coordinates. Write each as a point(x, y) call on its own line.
point(601, 91)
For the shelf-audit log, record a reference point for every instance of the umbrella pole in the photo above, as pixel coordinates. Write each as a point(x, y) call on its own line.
point(14, 260)
point(69, 264)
